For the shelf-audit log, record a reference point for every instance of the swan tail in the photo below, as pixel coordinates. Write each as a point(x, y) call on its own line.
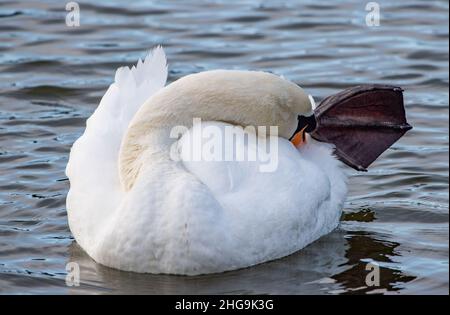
point(131, 88)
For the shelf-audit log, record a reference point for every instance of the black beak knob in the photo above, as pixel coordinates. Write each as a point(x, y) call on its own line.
point(306, 121)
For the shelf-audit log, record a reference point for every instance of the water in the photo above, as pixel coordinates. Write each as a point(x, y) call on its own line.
point(52, 78)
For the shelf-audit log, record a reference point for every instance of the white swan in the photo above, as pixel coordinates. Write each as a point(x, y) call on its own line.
point(133, 207)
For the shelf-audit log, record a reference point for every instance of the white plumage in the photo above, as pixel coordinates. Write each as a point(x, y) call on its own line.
point(184, 217)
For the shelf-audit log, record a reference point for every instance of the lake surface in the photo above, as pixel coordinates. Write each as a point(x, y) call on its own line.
point(52, 78)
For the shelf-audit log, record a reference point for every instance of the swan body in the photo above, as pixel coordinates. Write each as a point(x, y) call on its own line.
point(132, 206)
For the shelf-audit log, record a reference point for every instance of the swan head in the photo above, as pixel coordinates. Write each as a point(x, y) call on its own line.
point(242, 98)
point(239, 97)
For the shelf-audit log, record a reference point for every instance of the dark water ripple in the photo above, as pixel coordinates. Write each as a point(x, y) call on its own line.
point(52, 78)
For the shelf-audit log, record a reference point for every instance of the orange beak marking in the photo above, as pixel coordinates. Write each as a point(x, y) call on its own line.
point(299, 138)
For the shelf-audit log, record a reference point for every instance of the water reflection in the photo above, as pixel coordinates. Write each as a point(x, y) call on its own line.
point(363, 249)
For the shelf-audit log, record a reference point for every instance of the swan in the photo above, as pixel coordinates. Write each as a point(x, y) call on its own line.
point(134, 207)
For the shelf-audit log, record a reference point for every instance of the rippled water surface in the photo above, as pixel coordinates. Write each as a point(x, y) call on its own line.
point(52, 78)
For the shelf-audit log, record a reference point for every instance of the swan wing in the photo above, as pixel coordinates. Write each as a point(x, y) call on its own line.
point(93, 163)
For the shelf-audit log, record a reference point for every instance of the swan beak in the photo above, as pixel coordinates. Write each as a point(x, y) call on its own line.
point(299, 138)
